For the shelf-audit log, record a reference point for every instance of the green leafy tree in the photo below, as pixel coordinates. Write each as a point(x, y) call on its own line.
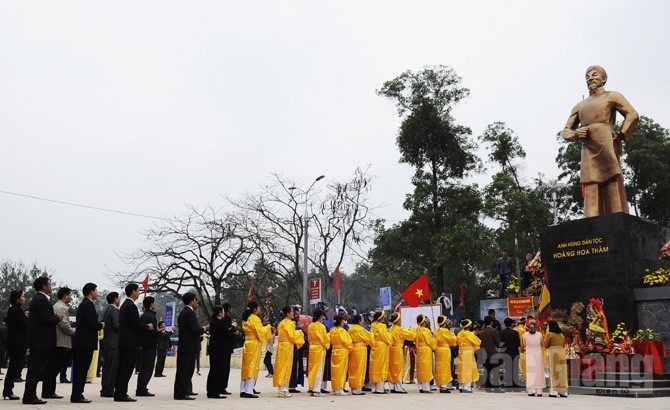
point(17, 276)
point(521, 209)
point(647, 171)
point(441, 153)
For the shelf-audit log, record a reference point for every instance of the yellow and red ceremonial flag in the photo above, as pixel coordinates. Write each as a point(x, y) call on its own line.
point(417, 292)
point(544, 306)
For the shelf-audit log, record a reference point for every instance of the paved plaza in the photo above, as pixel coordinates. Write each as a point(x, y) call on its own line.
point(268, 399)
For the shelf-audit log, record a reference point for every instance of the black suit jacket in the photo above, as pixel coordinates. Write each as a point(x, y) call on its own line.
point(41, 323)
point(228, 335)
point(86, 336)
point(189, 331)
point(150, 338)
point(217, 334)
point(509, 339)
point(130, 327)
point(17, 326)
point(164, 340)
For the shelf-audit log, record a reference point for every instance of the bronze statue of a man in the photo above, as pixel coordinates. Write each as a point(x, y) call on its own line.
point(591, 122)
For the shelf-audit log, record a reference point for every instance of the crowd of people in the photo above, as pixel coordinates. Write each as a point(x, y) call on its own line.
point(366, 353)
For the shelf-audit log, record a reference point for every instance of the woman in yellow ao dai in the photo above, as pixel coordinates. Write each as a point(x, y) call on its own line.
point(379, 355)
point(255, 334)
point(358, 357)
point(319, 342)
point(396, 352)
point(341, 343)
point(445, 338)
point(467, 342)
point(287, 336)
point(425, 345)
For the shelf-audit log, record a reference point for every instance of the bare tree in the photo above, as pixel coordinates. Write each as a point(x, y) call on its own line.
point(278, 228)
point(281, 211)
point(343, 225)
point(199, 253)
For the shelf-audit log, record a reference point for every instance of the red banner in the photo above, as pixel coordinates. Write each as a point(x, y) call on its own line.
point(515, 306)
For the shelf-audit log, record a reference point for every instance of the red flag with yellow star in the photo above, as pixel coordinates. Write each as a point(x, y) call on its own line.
point(418, 291)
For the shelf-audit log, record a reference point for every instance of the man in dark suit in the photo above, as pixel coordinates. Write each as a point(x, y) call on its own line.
point(147, 348)
point(228, 344)
point(490, 338)
point(41, 338)
point(164, 345)
point(510, 341)
point(130, 334)
point(85, 342)
point(110, 344)
point(189, 338)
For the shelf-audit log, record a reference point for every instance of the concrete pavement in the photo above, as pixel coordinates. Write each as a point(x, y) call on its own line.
point(269, 400)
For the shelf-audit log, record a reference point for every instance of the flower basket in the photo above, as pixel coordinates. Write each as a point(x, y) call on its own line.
point(665, 251)
point(659, 277)
point(513, 288)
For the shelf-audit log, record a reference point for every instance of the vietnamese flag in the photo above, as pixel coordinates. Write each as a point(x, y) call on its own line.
point(418, 291)
point(336, 281)
point(145, 285)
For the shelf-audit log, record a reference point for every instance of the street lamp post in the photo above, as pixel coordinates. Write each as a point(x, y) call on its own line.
point(305, 281)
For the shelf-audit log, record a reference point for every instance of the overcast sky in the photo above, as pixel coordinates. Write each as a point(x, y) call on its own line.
point(144, 106)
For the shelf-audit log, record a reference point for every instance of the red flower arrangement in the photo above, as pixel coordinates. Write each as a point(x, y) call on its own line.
point(665, 251)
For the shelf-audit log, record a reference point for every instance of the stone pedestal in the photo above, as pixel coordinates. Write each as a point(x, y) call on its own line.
point(603, 257)
point(653, 311)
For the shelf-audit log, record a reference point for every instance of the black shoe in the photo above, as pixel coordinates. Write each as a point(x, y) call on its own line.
point(145, 394)
point(10, 397)
point(358, 394)
point(324, 391)
point(256, 392)
point(345, 390)
point(108, 395)
point(34, 401)
point(192, 394)
point(248, 396)
point(293, 391)
point(80, 400)
point(366, 389)
point(425, 391)
point(52, 396)
point(127, 398)
point(18, 380)
point(159, 375)
point(185, 398)
point(377, 392)
point(211, 396)
point(398, 392)
point(553, 395)
point(531, 394)
point(65, 381)
point(226, 392)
